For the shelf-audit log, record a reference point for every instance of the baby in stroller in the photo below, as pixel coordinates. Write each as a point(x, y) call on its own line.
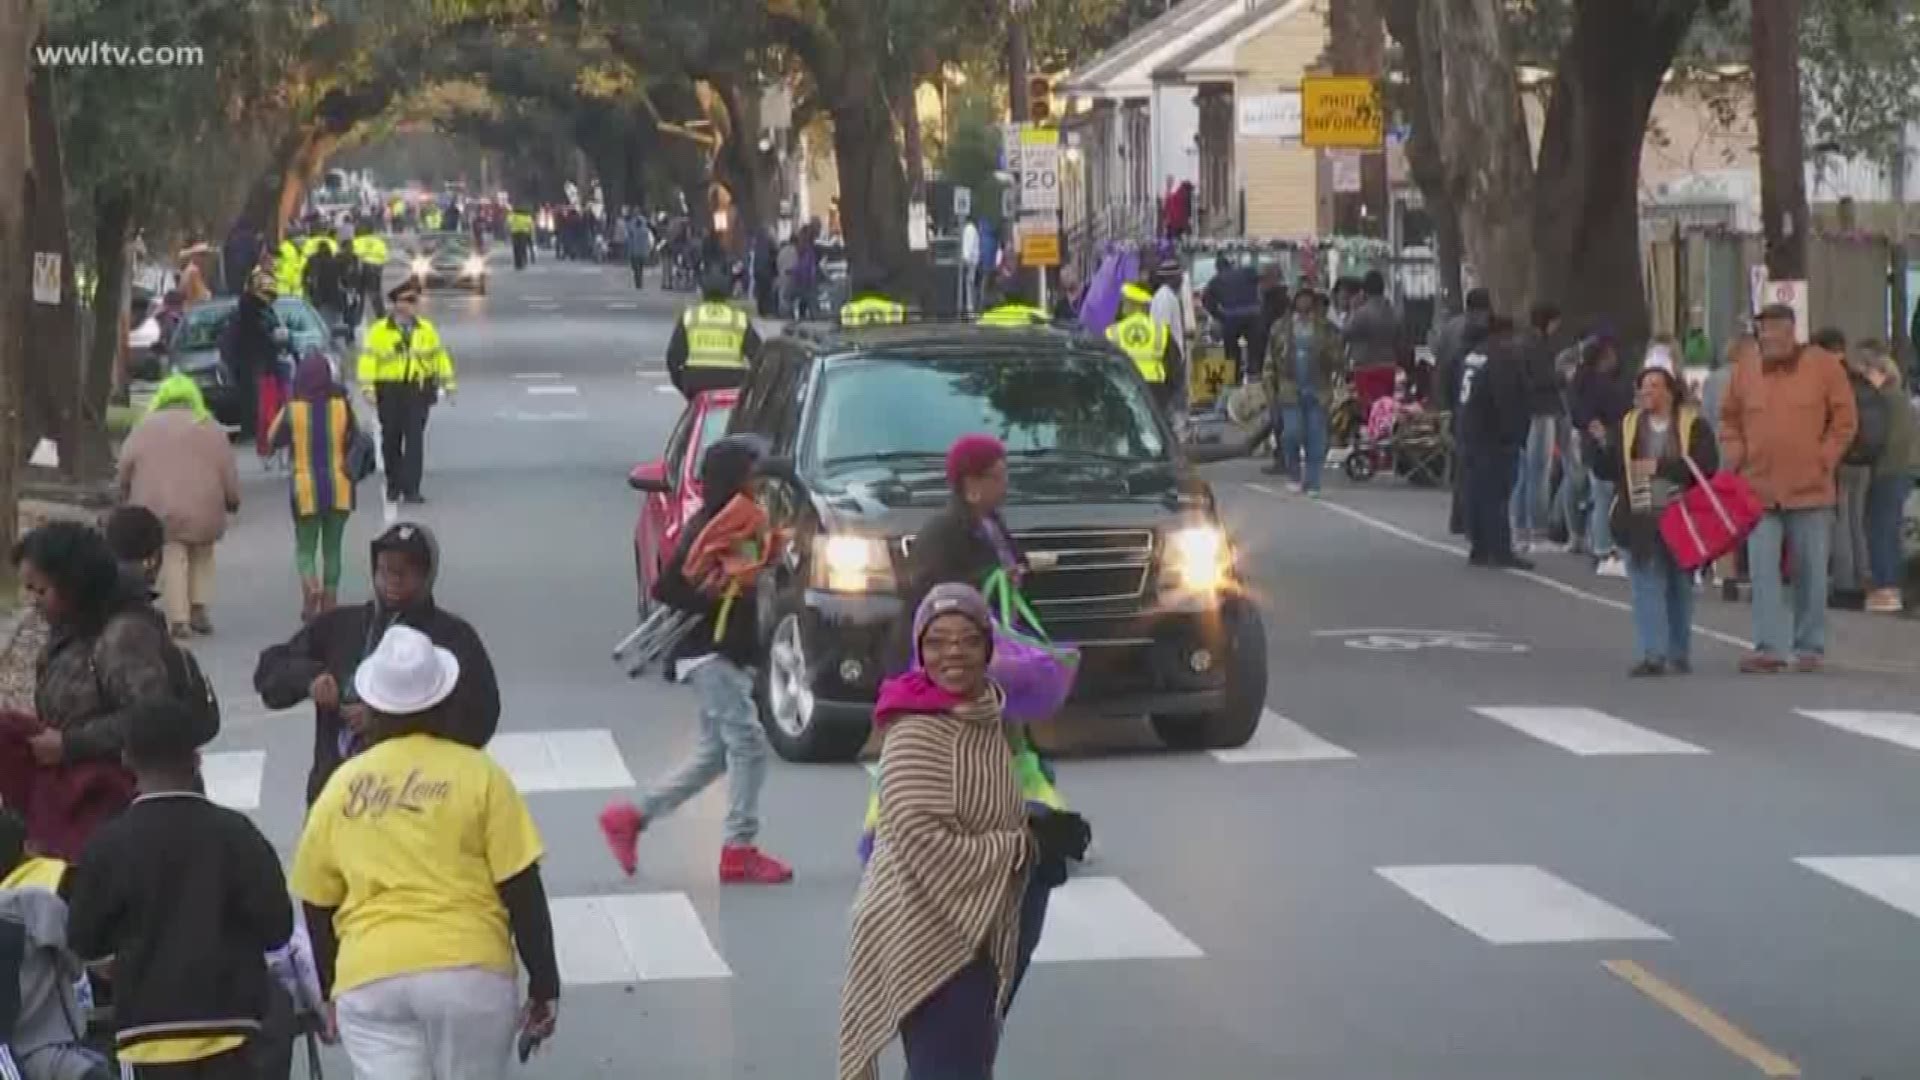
point(1400, 436)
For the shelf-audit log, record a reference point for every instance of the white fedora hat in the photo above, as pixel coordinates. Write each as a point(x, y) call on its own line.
point(406, 674)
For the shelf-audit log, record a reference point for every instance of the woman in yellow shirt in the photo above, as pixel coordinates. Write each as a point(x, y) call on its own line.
point(419, 868)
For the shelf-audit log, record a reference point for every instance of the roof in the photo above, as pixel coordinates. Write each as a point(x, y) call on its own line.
point(937, 333)
point(1120, 68)
point(1212, 54)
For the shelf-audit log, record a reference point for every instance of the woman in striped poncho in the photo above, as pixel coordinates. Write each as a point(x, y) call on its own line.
point(937, 921)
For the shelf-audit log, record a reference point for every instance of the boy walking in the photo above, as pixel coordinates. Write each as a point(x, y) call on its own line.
point(710, 575)
point(187, 898)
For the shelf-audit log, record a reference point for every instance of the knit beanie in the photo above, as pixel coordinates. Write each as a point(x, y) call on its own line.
point(953, 598)
point(971, 455)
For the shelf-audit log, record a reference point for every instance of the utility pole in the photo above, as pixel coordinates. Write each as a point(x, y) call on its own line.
point(1783, 181)
point(1017, 61)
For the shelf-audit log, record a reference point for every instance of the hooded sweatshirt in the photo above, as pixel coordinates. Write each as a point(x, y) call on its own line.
point(50, 1013)
point(336, 642)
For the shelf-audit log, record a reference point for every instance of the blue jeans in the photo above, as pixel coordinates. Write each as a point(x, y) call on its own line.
point(1793, 624)
point(731, 743)
point(1306, 422)
point(1599, 524)
point(1662, 607)
point(1529, 509)
point(1886, 512)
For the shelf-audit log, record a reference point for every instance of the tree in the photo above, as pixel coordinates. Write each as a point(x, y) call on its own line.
point(1861, 75)
point(19, 28)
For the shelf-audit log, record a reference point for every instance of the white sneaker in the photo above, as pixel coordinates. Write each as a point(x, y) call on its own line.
point(1293, 487)
point(1572, 547)
point(1611, 567)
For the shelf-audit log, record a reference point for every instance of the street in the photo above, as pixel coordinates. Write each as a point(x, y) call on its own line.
point(1464, 844)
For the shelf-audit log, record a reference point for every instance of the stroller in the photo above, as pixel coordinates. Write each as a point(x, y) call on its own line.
point(1415, 445)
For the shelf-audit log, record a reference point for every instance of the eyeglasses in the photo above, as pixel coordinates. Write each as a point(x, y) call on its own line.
point(954, 643)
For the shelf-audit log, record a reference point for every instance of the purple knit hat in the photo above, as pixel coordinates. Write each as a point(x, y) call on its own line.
point(953, 598)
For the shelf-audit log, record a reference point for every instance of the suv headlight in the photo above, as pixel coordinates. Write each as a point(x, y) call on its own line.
point(475, 265)
point(850, 563)
point(421, 266)
point(1199, 558)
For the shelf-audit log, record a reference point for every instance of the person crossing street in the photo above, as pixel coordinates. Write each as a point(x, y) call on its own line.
point(713, 343)
point(403, 369)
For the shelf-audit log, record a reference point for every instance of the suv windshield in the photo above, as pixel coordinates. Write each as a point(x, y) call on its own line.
point(883, 408)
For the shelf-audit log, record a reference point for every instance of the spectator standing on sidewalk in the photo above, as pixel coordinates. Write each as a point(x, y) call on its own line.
point(1451, 342)
point(1303, 359)
point(1892, 482)
point(1730, 569)
point(1493, 398)
point(1787, 420)
point(1850, 578)
point(1645, 458)
point(1547, 412)
point(1599, 399)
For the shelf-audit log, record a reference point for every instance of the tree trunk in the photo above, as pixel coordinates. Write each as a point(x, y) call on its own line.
point(910, 135)
point(263, 199)
point(1587, 188)
point(1488, 164)
point(18, 21)
point(52, 380)
point(310, 152)
point(1420, 92)
point(1783, 181)
point(113, 210)
point(873, 192)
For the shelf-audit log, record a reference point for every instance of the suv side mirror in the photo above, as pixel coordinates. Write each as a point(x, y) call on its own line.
point(650, 477)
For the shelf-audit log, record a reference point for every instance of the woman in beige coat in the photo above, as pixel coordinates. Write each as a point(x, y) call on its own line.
point(178, 464)
point(936, 925)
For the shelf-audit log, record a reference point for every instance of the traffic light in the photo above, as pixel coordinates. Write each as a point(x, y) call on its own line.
point(1039, 99)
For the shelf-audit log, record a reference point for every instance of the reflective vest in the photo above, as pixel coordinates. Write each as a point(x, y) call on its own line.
point(1014, 314)
point(716, 335)
point(520, 224)
point(1145, 343)
point(370, 249)
point(388, 356)
point(431, 219)
point(36, 872)
point(872, 311)
point(290, 269)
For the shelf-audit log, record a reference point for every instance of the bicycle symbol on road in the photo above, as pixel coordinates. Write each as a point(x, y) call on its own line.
point(1473, 641)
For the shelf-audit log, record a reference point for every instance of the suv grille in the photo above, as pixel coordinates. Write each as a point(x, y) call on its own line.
point(1094, 568)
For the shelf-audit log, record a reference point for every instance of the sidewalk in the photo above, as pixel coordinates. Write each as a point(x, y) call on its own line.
point(1857, 641)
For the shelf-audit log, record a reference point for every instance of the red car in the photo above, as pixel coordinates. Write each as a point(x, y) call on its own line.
point(671, 486)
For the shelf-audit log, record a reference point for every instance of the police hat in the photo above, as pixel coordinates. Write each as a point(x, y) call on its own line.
point(1135, 294)
point(406, 290)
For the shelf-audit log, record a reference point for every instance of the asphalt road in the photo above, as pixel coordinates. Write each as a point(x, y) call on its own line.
point(1474, 854)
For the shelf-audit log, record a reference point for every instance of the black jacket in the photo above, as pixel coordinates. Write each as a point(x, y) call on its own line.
point(952, 547)
point(1496, 410)
point(1543, 375)
point(247, 345)
point(187, 898)
point(336, 642)
point(1639, 531)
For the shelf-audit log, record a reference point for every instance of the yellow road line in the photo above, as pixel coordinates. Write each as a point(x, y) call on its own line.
point(1712, 1024)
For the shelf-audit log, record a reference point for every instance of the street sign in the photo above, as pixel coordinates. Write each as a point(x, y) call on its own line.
point(1270, 116)
point(916, 226)
point(962, 201)
point(1039, 241)
point(46, 277)
point(1010, 147)
point(1345, 166)
point(1341, 113)
point(1794, 295)
point(1039, 171)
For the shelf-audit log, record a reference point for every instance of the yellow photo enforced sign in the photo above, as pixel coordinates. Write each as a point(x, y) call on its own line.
point(1341, 113)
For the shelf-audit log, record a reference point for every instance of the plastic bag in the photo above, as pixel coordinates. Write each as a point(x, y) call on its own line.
point(1036, 674)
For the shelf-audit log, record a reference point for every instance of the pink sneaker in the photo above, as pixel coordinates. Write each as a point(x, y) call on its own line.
point(744, 864)
point(620, 825)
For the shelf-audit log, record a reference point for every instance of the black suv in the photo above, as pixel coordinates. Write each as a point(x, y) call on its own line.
point(1128, 556)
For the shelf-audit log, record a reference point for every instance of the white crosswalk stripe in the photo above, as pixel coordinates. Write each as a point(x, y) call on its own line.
point(233, 777)
point(1893, 880)
point(648, 937)
point(1518, 904)
point(1898, 728)
point(1281, 740)
point(542, 761)
point(1587, 732)
point(1099, 918)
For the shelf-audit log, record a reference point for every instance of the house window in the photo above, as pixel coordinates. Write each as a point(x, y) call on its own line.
point(1216, 158)
point(1139, 144)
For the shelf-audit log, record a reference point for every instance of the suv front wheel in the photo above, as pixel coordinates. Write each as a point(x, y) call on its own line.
point(1234, 725)
point(800, 726)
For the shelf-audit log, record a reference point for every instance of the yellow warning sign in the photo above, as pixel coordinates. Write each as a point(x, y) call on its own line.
point(1039, 248)
point(1341, 113)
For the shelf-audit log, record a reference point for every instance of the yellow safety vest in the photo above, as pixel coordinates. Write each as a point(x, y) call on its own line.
point(390, 357)
point(1145, 343)
point(370, 249)
point(312, 245)
point(872, 311)
point(1014, 315)
point(520, 224)
point(290, 269)
point(431, 219)
point(716, 335)
point(1630, 427)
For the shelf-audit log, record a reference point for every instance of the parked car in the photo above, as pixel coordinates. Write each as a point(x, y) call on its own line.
point(448, 259)
point(670, 486)
point(194, 348)
point(1129, 558)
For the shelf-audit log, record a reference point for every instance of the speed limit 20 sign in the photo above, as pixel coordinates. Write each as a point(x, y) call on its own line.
point(1039, 170)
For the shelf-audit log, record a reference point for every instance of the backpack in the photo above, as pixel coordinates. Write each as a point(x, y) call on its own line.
point(190, 684)
point(1870, 440)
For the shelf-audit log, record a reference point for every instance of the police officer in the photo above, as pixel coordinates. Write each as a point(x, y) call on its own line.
point(370, 248)
point(714, 343)
point(1014, 309)
point(289, 263)
point(871, 306)
point(403, 368)
point(1148, 344)
point(520, 228)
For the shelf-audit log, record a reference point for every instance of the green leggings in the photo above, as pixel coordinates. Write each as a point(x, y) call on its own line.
point(311, 534)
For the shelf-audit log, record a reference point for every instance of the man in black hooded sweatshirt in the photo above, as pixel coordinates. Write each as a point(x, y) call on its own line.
point(318, 662)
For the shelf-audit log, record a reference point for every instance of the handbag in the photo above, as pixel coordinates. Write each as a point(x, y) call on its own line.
point(363, 455)
point(1709, 519)
point(1037, 675)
